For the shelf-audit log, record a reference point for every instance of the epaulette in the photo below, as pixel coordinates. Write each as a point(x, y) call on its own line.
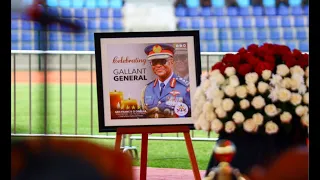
point(153, 81)
point(182, 81)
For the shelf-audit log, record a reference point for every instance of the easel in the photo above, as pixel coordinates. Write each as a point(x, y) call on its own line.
point(144, 144)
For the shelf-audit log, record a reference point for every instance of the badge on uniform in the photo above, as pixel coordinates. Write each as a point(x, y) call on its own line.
point(174, 93)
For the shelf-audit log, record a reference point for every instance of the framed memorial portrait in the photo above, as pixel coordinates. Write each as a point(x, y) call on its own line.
point(146, 78)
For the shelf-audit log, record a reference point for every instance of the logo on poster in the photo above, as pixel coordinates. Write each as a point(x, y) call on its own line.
point(181, 109)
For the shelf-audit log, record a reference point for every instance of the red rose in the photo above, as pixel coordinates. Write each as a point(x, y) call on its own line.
point(284, 49)
point(269, 58)
point(253, 61)
point(263, 50)
point(261, 66)
point(303, 60)
point(289, 60)
point(242, 50)
point(244, 69)
point(253, 48)
point(296, 53)
point(219, 65)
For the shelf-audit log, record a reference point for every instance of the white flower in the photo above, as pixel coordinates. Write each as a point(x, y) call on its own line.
point(241, 91)
point(294, 84)
point(286, 83)
point(296, 70)
point(234, 81)
point(204, 76)
point(295, 99)
point(307, 72)
point(262, 87)
point(257, 118)
point(214, 93)
point(214, 72)
point(271, 110)
point(217, 78)
point(282, 70)
point(276, 79)
point(305, 120)
point(251, 77)
point(306, 98)
point(216, 102)
point(205, 125)
point(210, 115)
point(274, 94)
point(298, 78)
point(258, 102)
point(227, 104)
point(230, 91)
point(307, 81)
point(220, 112)
point(205, 84)
point(285, 117)
point(306, 109)
point(271, 127)
point(249, 125)
point(300, 110)
point(266, 74)
point(216, 125)
point(207, 107)
point(199, 92)
point(251, 88)
point(284, 95)
point(244, 104)
point(238, 117)
point(229, 71)
point(302, 89)
point(230, 127)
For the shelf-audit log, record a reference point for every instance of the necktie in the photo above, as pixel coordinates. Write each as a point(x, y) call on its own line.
point(162, 86)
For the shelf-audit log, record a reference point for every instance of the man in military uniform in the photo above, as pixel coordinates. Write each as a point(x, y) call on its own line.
point(181, 67)
point(167, 96)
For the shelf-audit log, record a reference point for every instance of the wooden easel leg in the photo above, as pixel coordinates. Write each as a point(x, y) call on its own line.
point(144, 156)
point(192, 156)
point(118, 142)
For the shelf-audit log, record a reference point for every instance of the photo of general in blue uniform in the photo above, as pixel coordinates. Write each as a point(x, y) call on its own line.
point(167, 96)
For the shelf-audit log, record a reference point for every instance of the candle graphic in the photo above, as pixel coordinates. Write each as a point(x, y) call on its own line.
point(129, 103)
point(115, 99)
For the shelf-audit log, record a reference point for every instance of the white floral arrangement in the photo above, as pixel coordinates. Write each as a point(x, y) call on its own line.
point(258, 90)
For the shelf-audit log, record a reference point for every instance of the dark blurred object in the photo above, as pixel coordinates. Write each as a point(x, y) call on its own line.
point(180, 3)
point(305, 2)
point(67, 159)
point(282, 3)
point(231, 3)
point(291, 165)
point(205, 3)
point(256, 3)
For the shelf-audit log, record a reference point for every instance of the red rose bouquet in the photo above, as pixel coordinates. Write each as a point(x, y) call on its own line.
point(261, 89)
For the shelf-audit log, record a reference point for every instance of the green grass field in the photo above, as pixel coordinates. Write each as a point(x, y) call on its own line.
point(162, 154)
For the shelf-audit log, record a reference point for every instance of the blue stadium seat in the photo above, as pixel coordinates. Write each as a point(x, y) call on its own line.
point(288, 34)
point(283, 10)
point(260, 21)
point(296, 10)
point(249, 34)
point(202, 35)
point(14, 36)
point(243, 3)
point(286, 21)
point(54, 27)
point(91, 13)
point(304, 46)
point(104, 25)
point(212, 47)
point(257, 11)
point(232, 11)
point(206, 11)
point(208, 23)
point(104, 13)
point(244, 11)
point(27, 46)
point(270, 11)
point(203, 46)
point(115, 4)
point(91, 37)
point(53, 11)
point(182, 23)
point(209, 35)
point(306, 10)
point(66, 13)
point(90, 3)
point(53, 46)
point(236, 34)
point(221, 22)
point(14, 24)
point(180, 12)
point(15, 15)
point(91, 47)
point(117, 12)
point(273, 21)
point(65, 3)
point(192, 11)
point(67, 46)
point(292, 44)
point(36, 26)
point(117, 24)
point(224, 34)
point(225, 46)
point(78, 13)
point(26, 36)
point(236, 45)
point(66, 37)
point(295, 2)
point(217, 3)
point(26, 25)
point(53, 36)
point(79, 37)
point(79, 47)
point(102, 3)
point(195, 23)
point(92, 25)
point(78, 3)
point(218, 11)
point(274, 34)
point(15, 46)
point(299, 21)
point(247, 22)
point(262, 34)
point(234, 22)
point(301, 34)
point(25, 17)
point(269, 3)
point(52, 3)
